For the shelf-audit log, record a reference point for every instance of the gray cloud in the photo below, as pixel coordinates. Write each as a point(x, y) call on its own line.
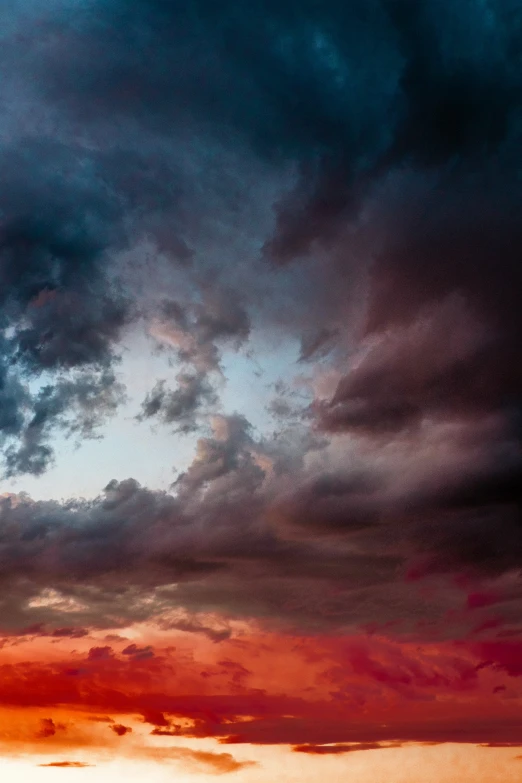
point(300, 546)
point(182, 406)
point(383, 139)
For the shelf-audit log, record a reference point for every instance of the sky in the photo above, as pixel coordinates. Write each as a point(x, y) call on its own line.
point(261, 391)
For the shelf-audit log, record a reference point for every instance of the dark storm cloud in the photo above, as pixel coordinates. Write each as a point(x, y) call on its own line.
point(66, 211)
point(346, 92)
point(56, 222)
point(473, 524)
point(60, 313)
point(237, 537)
point(333, 503)
point(215, 534)
point(399, 124)
point(13, 395)
point(76, 405)
point(439, 351)
point(350, 95)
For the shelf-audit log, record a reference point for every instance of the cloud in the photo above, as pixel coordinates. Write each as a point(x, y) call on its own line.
point(181, 407)
point(40, 630)
point(77, 406)
point(500, 745)
point(195, 626)
point(100, 653)
point(335, 182)
point(120, 729)
point(389, 193)
point(502, 655)
point(200, 760)
point(326, 547)
point(196, 333)
point(167, 732)
point(61, 312)
point(69, 633)
point(219, 763)
point(138, 653)
point(344, 692)
point(299, 731)
point(77, 764)
point(48, 728)
point(326, 750)
point(199, 330)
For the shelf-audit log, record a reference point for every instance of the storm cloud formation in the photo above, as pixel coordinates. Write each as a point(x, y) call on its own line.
point(339, 182)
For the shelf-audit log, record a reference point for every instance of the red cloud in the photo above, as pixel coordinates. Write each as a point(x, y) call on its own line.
point(323, 750)
point(48, 728)
point(120, 729)
point(101, 719)
point(335, 695)
point(502, 655)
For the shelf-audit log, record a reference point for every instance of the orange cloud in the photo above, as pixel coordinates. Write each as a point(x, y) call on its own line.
point(216, 763)
point(67, 764)
point(48, 728)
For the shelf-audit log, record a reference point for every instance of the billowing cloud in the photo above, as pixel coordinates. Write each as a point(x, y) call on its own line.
point(325, 548)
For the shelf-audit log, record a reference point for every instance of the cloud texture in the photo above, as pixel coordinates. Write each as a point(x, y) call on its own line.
point(309, 213)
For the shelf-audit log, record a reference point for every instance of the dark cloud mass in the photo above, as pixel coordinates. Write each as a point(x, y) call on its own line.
point(341, 177)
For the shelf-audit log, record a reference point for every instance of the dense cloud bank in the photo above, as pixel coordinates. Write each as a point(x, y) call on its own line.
point(250, 535)
point(343, 175)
